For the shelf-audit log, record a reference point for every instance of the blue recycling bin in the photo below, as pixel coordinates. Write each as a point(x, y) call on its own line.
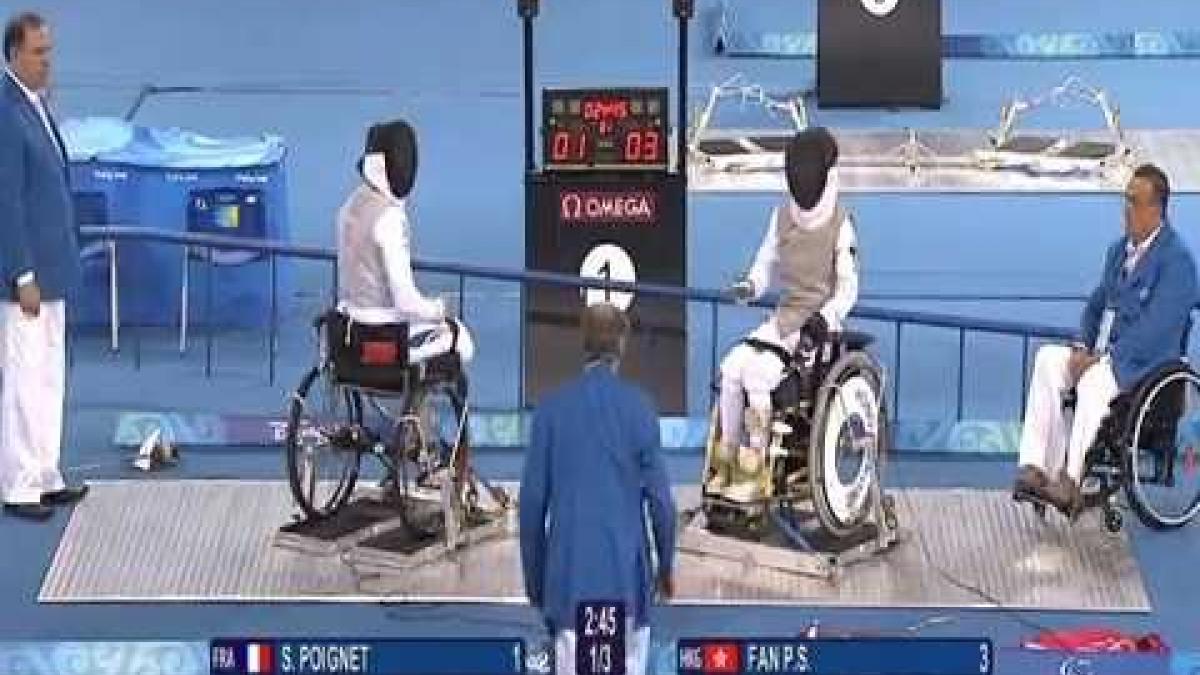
point(180, 181)
point(104, 194)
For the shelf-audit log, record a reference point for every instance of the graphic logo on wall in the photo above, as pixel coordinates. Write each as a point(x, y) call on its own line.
point(880, 8)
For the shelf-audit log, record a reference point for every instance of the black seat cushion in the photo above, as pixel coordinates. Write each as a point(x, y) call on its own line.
point(372, 356)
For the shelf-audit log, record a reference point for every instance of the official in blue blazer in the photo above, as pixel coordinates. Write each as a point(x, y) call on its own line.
point(39, 267)
point(1135, 322)
point(593, 462)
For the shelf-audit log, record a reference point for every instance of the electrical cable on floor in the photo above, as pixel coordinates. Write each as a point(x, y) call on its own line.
point(973, 589)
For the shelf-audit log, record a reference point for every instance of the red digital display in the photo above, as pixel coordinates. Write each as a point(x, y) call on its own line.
point(605, 112)
point(605, 129)
point(639, 146)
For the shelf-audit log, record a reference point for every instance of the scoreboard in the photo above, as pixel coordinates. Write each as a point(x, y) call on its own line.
point(605, 129)
point(606, 207)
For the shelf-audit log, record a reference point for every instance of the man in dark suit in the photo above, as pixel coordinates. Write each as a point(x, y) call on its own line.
point(592, 466)
point(1135, 321)
point(39, 267)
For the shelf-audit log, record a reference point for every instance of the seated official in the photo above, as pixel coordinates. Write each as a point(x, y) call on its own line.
point(593, 469)
point(375, 276)
point(1135, 322)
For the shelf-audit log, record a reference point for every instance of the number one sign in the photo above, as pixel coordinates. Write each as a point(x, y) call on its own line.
point(611, 263)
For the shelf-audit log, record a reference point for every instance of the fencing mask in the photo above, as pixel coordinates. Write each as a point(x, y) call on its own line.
point(807, 161)
point(391, 157)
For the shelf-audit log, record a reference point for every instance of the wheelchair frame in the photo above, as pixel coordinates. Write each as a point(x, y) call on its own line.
point(1111, 462)
point(410, 440)
point(875, 527)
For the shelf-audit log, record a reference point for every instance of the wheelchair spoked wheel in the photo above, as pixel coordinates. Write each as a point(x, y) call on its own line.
point(432, 441)
point(1162, 464)
point(324, 439)
point(845, 450)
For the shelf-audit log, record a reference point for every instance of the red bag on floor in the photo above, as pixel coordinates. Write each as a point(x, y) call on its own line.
point(1097, 640)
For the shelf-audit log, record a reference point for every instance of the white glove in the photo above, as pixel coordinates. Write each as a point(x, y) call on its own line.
point(742, 291)
point(437, 309)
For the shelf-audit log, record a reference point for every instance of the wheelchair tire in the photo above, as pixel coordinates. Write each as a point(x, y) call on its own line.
point(842, 511)
point(1150, 515)
point(304, 489)
point(420, 409)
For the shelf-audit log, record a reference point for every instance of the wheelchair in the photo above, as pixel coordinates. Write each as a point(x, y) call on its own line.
point(1146, 448)
point(828, 441)
point(421, 444)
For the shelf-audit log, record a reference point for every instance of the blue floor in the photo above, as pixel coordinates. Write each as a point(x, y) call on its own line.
point(1167, 561)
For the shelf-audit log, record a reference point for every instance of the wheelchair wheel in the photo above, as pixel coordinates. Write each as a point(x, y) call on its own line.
point(846, 445)
point(323, 441)
point(433, 439)
point(1162, 465)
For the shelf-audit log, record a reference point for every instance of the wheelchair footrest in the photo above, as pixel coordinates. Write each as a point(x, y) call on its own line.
point(696, 540)
point(355, 522)
point(733, 531)
point(399, 550)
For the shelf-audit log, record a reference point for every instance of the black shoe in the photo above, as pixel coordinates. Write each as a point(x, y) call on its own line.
point(1065, 496)
point(1029, 484)
point(29, 511)
point(67, 495)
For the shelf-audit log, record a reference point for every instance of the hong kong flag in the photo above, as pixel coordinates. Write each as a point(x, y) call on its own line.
point(720, 657)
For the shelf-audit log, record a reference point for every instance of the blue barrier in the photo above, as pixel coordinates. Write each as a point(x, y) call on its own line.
point(273, 250)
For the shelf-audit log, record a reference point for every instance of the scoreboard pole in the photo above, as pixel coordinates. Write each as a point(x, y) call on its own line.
point(606, 203)
point(684, 9)
point(527, 9)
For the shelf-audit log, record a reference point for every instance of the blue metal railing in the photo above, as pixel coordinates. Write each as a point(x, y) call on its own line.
point(273, 250)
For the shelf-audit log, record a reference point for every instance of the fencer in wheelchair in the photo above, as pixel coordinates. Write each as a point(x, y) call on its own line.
point(384, 342)
point(1118, 410)
point(800, 415)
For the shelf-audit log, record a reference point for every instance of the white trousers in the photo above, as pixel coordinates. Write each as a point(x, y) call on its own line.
point(427, 340)
point(1046, 440)
point(637, 650)
point(32, 401)
point(757, 373)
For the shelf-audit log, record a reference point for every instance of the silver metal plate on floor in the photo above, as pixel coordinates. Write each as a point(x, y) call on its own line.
point(357, 521)
point(945, 160)
point(950, 540)
point(397, 551)
point(211, 541)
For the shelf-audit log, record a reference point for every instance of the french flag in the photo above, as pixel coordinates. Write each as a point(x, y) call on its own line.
point(258, 658)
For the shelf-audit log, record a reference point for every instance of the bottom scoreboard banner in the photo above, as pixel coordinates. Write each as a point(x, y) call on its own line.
point(367, 657)
point(908, 656)
point(846, 657)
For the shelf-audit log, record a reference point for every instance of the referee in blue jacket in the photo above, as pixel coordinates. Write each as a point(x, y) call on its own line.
point(1135, 322)
point(593, 465)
